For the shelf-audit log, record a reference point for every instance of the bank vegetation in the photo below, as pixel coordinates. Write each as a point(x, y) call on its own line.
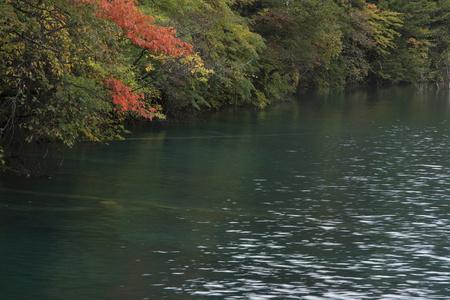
point(75, 71)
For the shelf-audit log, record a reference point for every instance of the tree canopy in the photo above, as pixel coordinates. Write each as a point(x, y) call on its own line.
point(80, 70)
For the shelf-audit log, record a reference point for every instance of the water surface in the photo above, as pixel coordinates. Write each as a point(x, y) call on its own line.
point(333, 196)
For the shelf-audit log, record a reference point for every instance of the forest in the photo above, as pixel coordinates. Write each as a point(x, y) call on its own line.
point(74, 71)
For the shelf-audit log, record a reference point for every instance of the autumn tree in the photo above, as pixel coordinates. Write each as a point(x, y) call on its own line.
point(66, 71)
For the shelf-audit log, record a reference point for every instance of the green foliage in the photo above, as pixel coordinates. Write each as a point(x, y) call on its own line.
point(68, 70)
point(300, 36)
point(228, 53)
point(53, 71)
point(424, 38)
point(384, 25)
point(55, 56)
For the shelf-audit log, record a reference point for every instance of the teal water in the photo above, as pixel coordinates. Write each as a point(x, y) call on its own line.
point(333, 196)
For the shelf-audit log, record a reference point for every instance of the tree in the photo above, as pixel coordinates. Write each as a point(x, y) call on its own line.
point(423, 43)
point(227, 55)
point(66, 73)
point(300, 36)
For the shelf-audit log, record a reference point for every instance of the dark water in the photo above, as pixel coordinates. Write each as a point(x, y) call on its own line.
point(339, 196)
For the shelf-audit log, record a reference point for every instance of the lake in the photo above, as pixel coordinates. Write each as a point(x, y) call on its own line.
point(341, 195)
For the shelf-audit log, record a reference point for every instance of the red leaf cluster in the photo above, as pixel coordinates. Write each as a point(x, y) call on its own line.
point(127, 100)
point(138, 28)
